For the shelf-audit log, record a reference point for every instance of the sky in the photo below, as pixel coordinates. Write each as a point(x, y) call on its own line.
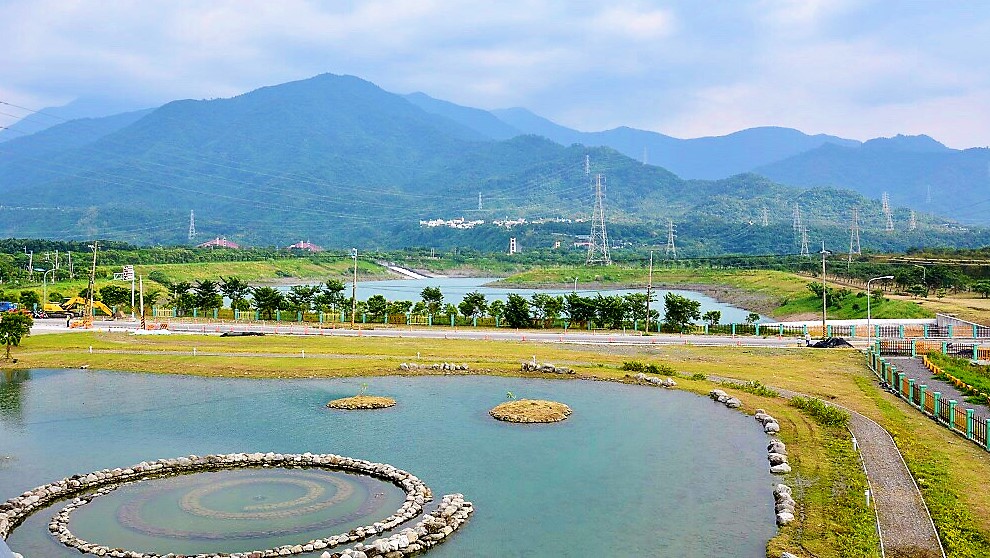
point(853, 68)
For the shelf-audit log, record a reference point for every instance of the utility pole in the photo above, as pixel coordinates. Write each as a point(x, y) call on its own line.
point(824, 292)
point(141, 283)
point(31, 266)
point(671, 248)
point(72, 274)
point(649, 293)
point(88, 320)
point(598, 247)
point(354, 289)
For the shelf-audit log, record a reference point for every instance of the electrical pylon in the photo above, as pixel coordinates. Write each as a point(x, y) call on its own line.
point(854, 246)
point(887, 213)
point(912, 222)
point(671, 235)
point(804, 242)
point(766, 217)
point(192, 225)
point(598, 246)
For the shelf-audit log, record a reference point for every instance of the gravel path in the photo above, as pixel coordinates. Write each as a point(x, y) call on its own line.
point(906, 527)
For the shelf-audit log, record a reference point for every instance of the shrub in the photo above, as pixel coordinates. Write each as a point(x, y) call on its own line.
point(698, 376)
point(632, 366)
point(825, 415)
point(756, 388)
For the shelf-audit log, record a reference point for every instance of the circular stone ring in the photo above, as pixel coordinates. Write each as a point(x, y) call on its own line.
point(92, 485)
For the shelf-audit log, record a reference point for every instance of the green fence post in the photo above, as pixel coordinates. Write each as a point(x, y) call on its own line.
point(852, 331)
point(952, 414)
point(914, 348)
point(986, 434)
point(975, 330)
point(976, 353)
point(938, 405)
point(949, 327)
point(496, 323)
point(216, 312)
point(299, 316)
point(804, 328)
point(733, 328)
point(195, 313)
point(175, 312)
point(911, 391)
point(898, 377)
point(969, 424)
point(828, 330)
point(876, 331)
point(922, 389)
point(925, 327)
point(945, 348)
point(429, 319)
point(706, 329)
point(757, 329)
point(900, 331)
point(364, 317)
point(257, 315)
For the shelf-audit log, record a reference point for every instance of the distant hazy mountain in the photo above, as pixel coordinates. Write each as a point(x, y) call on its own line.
point(341, 162)
point(917, 172)
point(479, 120)
point(84, 107)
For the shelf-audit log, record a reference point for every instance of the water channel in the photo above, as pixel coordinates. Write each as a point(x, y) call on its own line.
point(634, 471)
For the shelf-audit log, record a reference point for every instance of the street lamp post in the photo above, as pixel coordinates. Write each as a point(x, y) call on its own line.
point(354, 255)
point(923, 274)
point(44, 287)
point(824, 253)
point(869, 295)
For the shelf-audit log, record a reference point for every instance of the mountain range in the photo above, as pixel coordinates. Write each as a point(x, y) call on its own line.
point(341, 162)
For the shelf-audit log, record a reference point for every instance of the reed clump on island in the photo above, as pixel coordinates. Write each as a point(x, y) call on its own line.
point(361, 402)
point(530, 411)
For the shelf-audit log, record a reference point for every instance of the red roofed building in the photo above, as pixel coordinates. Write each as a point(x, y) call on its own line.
point(307, 245)
point(220, 242)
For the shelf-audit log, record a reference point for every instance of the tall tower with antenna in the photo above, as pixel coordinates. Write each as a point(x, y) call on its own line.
point(804, 242)
point(192, 225)
point(854, 247)
point(598, 245)
point(765, 221)
point(671, 235)
point(912, 222)
point(885, 201)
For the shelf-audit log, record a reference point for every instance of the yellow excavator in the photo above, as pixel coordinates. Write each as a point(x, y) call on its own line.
point(74, 307)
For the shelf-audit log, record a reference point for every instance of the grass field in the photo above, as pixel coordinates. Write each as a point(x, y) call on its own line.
point(951, 472)
point(774, 293)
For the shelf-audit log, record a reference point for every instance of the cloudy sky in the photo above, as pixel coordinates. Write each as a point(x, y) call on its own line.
point(854, 68)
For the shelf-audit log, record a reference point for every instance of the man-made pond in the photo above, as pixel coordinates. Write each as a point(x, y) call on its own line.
point(634, 471)
point(454, 289)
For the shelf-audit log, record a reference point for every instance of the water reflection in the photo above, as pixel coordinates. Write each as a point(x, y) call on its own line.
point(12, 395)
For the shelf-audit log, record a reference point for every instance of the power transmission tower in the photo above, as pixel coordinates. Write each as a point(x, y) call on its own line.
point(587, 165)
point(886, 212)
point(645, 160)
point(766, 217)
point(479, 201)
point(912, 222)
point(796, 224)
point(192, 225)
point(598, 248)
point(928, 196)
point(671, 235)
point(804, 242)
point(854, 247)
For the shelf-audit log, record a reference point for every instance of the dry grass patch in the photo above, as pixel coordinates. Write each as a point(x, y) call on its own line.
point(362, 402)
point(530, 411)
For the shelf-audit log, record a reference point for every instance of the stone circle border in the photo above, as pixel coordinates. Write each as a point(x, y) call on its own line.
point(16, 510)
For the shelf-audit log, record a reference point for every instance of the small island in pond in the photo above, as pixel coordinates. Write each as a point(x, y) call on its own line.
point(530, 411)
point(361, 402)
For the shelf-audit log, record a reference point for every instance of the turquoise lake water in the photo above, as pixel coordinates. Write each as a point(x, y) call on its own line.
point(634, 471)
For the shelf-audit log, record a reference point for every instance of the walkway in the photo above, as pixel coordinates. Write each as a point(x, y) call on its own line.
point(915, 369)
point(906, 527)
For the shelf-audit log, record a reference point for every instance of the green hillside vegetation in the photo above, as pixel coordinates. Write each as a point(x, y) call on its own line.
point(339, 161)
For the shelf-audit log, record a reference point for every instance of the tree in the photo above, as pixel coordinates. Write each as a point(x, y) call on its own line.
point(752, 318)
point(517, 312)
point(399, 307)
point(115, 295)
point(433, 299)
point(610, 311)
point(636, 305)
point(546, 307)
point(918, 290)
point(578, 308)
point(267, 300)
point(473, 305)
point(377, 306)
point(712, 317)
point(236, 290)
point(29, 298)
point(207, 295)
point(13, 327)
point(53, 296)
point(982, 288)
point(301, 297)
point(680, 311)
point(496, 309)
point(331, 296)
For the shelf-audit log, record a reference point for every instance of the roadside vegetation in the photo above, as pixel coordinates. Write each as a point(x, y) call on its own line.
point(975, 376)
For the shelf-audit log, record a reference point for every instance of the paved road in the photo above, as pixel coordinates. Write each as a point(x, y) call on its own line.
point(575, 337)
point(915, 369)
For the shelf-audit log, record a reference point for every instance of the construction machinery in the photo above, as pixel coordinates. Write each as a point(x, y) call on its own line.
point(74, 307)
